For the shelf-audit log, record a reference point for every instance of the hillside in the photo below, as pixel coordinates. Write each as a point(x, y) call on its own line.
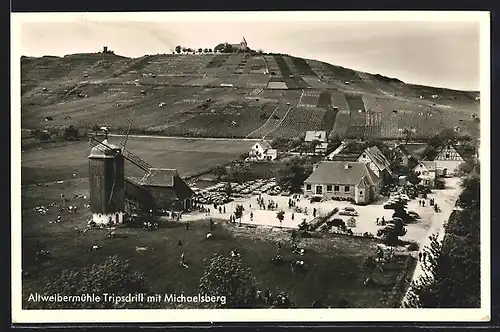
point(233, 95)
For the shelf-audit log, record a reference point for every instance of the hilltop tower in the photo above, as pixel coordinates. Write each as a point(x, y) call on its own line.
point(107, 183)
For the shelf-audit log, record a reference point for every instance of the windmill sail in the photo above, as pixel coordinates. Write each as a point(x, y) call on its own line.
point(123, 142)
point(134, 159)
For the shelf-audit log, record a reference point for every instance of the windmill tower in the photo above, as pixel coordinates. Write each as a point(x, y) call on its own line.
point(107, 183)
point(107, 177)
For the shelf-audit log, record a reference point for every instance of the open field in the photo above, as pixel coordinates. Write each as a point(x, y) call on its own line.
point(59, 161)
point(101, 89)
point(333, 262)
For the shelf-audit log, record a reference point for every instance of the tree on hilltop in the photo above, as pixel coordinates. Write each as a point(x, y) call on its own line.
point(178, 49)
point(200, 50)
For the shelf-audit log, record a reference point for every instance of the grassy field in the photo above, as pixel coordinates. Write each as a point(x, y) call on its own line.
point(334, 263)
point(59, 161)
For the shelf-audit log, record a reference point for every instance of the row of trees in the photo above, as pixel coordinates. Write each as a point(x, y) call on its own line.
point(181, 49)
point(69, 133)
point(453, 272)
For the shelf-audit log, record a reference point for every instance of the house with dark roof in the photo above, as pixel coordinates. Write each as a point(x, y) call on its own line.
point(426, 172)
point(262, 150)
point(371, 156)
point(409, 159)
point(353, 181)
point(168, 189)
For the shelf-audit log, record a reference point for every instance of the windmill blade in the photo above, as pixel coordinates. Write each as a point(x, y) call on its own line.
point(124, 140)
point(136, 160)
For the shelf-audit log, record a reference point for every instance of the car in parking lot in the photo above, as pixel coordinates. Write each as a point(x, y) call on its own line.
point(348, 211)
point(413, 214)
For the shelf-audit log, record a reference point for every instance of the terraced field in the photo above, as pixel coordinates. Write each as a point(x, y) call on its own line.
point(275, 118)
point(309, 98)
point(297, 122)
point(355, 102)
point(218, 60)
point(303, 67)
point(165, 91)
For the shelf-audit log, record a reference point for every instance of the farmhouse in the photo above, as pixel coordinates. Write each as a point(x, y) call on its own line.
point(262, 150)
point(320, 137)
point(343, 180)
point(426, 172)
point(168, 189)
point(371, 156)
point(447, 159)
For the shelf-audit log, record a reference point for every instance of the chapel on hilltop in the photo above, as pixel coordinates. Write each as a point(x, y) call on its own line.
point(243, 45)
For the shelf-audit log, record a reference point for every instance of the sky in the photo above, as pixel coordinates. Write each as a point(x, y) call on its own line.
point(442, 54)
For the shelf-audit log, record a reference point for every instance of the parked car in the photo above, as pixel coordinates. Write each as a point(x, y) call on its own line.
point(349, 211)
point(413, 214)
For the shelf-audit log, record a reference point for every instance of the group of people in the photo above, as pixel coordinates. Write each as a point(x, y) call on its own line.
point(271, 205)
point(380, 222)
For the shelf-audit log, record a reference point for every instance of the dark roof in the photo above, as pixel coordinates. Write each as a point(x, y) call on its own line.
point(378, 158)
point(334, 172)
point(265, 145)
point(168, 178)
point(417, 150)
point(159, 177)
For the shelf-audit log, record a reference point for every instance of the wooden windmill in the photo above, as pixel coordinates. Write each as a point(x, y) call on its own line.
point(122, 150)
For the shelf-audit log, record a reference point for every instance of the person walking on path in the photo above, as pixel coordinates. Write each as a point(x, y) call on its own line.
point(187, 225)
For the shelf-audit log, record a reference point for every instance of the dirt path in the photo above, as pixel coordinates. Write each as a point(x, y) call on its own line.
point(446, 201)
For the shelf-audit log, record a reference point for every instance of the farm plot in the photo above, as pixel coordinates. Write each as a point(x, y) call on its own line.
point(309, 98)
point(339, 100)
point(272, 122)
point(252, 81)
point(357, 124)
point(270, 96)
point(293, 81)
point(355, 102)
point(218, 60)
point(340, 73)
point(291, 65)
point(163, 64)
point(324, 100)
point(232, 121)
point(199, 81)
point(422, 121)
point(255, 65)
point(342, 121)
point(297, 122)
point(194, 64)
point(316, 83)
point(276, 86)
point(273, 67)
point(373, 117)
point(303, 67)
point(373, 125)
point(329, 120)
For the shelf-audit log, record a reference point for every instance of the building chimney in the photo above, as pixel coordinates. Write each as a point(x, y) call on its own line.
point(346, 166)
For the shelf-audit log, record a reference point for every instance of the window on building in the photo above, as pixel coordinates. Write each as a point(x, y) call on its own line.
point(336, 188)
point(329, 188)
point(346, 188)
point(364, 155)
point(447, 155)
point(308, 187)
point(319, 190)
point(425, 173)
point(361, 192)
